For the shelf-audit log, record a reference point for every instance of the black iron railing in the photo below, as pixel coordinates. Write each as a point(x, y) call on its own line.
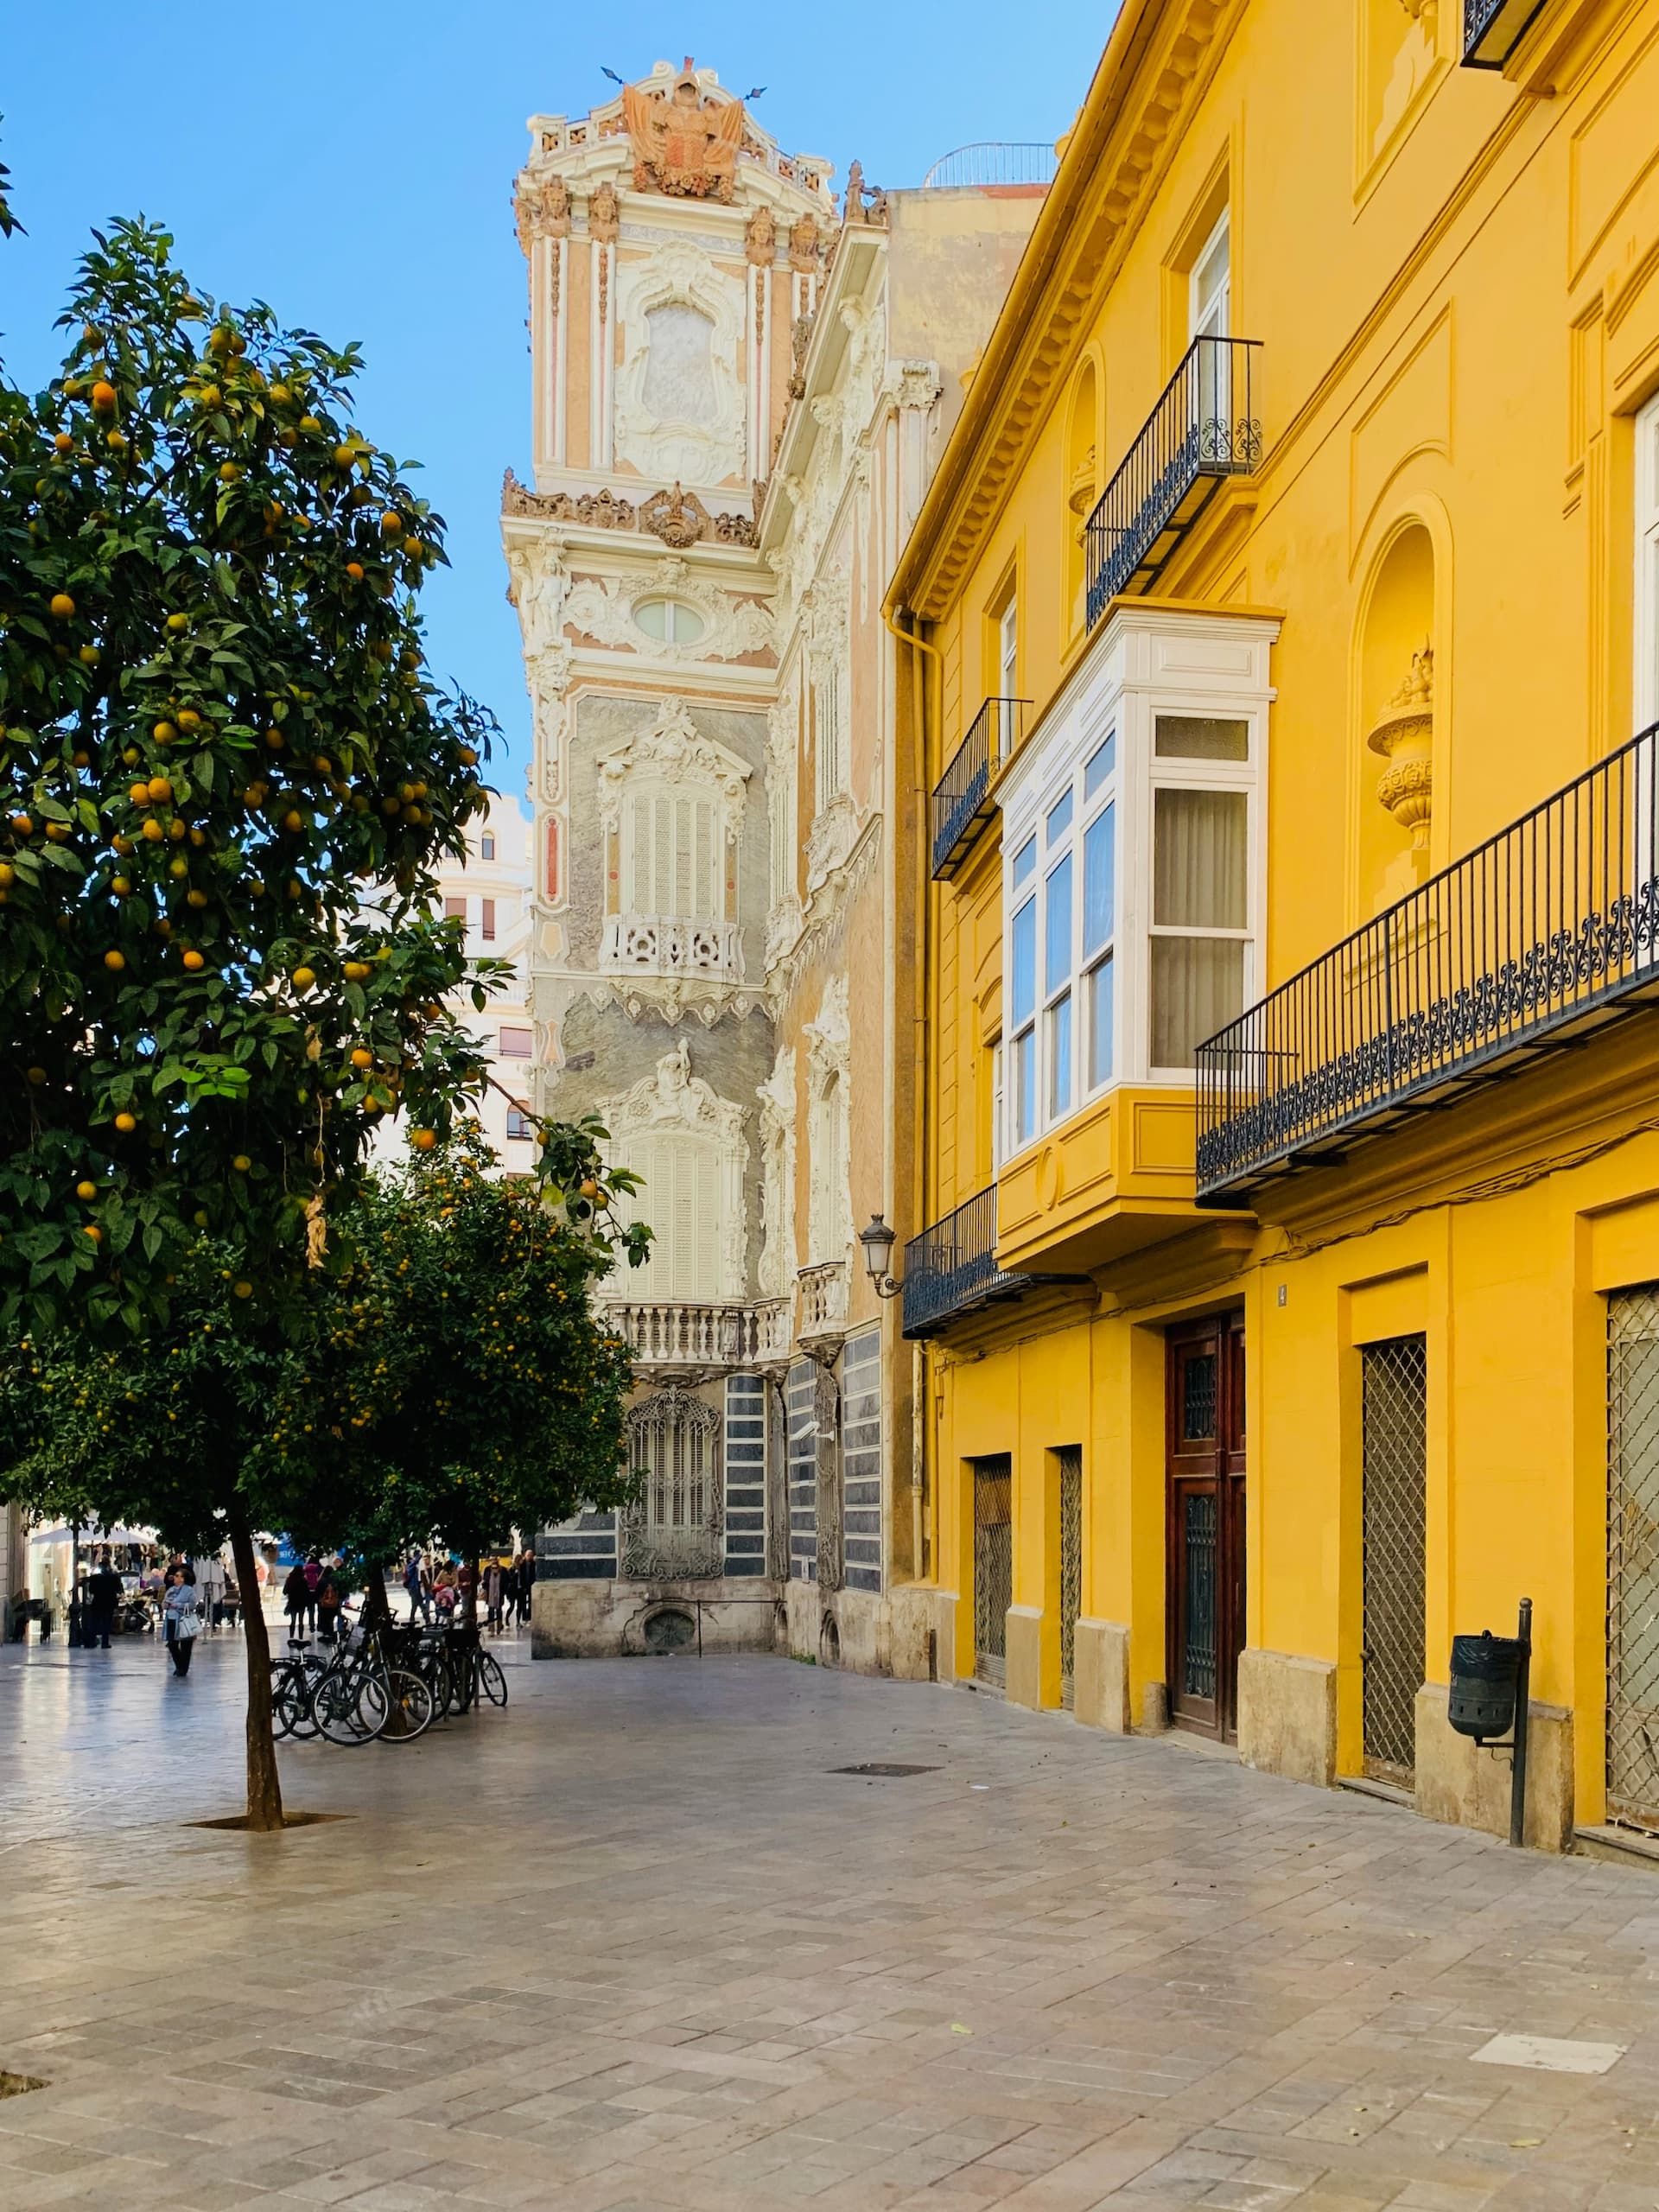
point(951, 1267)
point(1203, 428)
point(963, 800)
point(1493, 28)
point(1549, 926)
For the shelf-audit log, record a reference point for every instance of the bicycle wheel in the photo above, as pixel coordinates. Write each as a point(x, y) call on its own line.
point(410, 1707)
point(350, 1708)
point(490, 1680)
point(292, 1696)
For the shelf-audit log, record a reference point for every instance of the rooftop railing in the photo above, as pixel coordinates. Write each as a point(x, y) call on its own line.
point(991, 161)
point(1202, 429)
point(1549, 928)
point(963, 800)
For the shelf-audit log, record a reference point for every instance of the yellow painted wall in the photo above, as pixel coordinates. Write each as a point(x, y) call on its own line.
point(1456, 286)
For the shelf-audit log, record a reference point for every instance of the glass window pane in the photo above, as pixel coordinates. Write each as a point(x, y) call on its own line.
point(1057, 927)
point(1024, 979)
point(1059, 820)
point(1024, 861)
point(1197, 986)
point(1059, 1057)
point(1025, 1087)
point(1098, 989)
point(1201, 737)
point(1101, 763)
point(1099, 870)
point(1200, 843)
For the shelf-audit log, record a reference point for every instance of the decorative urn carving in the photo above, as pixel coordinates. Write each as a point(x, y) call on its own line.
point(1405, 738)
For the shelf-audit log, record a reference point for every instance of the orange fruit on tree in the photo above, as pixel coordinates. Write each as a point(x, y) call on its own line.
point(62, 606)
point(114, 962)
point(93, 1230)
point(164, 733)
point(177, 622)
point(158, 788)
point(139, 794)
point(361, 1059)
point(63, 442)
point(126, 1123)
point(241, 1163)
point(105, 396)
point(304, 978)
point(152, 830)
point(84, 1190)
point(243, 1289)
point(189, 719)
point(423, 1139)
point(193, 960)
point(354, 569)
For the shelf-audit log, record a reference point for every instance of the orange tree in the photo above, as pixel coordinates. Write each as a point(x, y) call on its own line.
point(439, 1373)
point(464, 1366)
point(227, 778)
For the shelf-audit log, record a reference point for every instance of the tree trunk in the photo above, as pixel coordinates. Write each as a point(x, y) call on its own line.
point(376, 1598)
point(265, 1788)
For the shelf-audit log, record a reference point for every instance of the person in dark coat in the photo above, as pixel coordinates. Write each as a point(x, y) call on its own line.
point(103, 1596)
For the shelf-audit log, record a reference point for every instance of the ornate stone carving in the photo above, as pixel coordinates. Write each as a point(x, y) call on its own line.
point(684, 143)
point(669, 1100)
point(541, 209)
point(604, 214)
point(679, 401)
point(805, 247)
point(761, 238)
point(776, 1097)
point(675, 1529)
point(678, 751)
point(679, 517)
point(601, 510)
point(604, 612)
point(1405, 738)
point(800, 338)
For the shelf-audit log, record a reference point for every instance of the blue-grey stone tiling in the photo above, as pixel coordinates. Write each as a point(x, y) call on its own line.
point(581, 1550)
point(861, 1445)
point(803, 1436)
point(745, 1474)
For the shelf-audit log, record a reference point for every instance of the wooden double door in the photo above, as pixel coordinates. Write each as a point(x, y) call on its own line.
point(1205, 1415)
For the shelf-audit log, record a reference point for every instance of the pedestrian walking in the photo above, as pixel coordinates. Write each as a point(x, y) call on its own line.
point(495, 1586)
point(327, 1597)
point(527, 1581)
point(297, 1600)
point(181, 1620)
point(103, 1596)
point(443, 1592)
point(418, 1583)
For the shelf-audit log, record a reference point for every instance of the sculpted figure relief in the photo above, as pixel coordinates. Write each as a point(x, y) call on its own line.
point(683, 142)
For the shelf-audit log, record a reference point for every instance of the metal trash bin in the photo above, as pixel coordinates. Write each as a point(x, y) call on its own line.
point(1485, 1680)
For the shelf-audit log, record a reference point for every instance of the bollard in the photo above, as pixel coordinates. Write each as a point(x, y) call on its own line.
point(1518, 1771)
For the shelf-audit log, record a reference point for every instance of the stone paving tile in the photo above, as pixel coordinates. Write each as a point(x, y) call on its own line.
point(633, 1945)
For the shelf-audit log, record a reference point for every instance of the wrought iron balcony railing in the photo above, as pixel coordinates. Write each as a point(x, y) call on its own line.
point(1493, 28)
point(1548, 928)
point(1202, 429)
point(951, 1268)
point(962, 799)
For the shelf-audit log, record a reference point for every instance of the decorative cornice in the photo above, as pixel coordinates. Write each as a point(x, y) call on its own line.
point(679, 517)
point(1157, 65)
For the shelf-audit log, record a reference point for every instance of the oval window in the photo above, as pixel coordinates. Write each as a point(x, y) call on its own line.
point(669, 620)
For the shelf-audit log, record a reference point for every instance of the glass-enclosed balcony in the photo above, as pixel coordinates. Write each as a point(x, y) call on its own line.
point(1548, 930)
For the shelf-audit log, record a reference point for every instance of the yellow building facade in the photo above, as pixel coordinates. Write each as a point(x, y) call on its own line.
point(1282, 611)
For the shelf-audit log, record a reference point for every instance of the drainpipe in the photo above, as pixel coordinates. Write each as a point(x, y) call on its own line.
point(918, 701)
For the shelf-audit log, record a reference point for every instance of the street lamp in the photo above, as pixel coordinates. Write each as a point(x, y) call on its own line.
point(878, 1240)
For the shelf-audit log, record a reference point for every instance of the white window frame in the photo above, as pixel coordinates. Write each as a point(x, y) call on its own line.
point(830, 766)
point(1214, 321)
point(1645, 693)
point(1143, 666)
point(1007, 639)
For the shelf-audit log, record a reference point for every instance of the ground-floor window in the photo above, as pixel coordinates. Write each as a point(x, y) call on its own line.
point(1633, 1557)
point(1394, 1512)
point(676, 1524)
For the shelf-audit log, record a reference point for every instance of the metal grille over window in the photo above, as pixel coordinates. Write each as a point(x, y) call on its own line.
point(1633, 1557)
point(1198, 1550)
point(676, 1526)
point(1071, 1567)
point(993, 1566)
point(1394, 1478)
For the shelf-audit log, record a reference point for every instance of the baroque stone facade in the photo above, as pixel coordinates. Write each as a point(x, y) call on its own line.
point(726, 453)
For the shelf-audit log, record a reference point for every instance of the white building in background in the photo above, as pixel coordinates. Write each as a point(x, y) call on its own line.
point(489, 892)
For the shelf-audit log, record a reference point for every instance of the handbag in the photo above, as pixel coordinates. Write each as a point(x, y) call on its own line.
point(186, 1623)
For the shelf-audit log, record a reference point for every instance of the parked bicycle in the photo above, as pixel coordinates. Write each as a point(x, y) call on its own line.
point(382, 1683)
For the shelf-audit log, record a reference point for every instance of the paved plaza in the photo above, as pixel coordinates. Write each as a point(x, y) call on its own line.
point(635, 1944)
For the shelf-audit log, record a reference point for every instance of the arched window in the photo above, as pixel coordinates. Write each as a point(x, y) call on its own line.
point(671, 802)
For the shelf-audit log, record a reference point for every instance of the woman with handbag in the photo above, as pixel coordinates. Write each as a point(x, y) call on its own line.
point(181, 1620)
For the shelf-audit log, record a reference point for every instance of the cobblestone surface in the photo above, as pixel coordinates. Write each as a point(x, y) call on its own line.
point(633, 1946)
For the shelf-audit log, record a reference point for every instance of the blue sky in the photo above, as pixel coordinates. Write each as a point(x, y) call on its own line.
point(353, 166)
